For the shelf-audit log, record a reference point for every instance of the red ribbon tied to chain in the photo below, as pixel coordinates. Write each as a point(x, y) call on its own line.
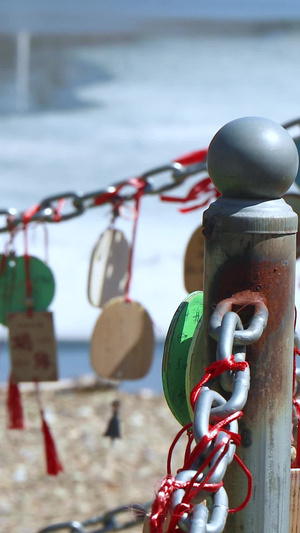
point(204, 187)
point(112, 196)
point(162, 503)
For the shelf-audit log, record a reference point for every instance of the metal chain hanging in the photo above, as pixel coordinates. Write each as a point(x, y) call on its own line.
point(50, 209)
point(215, 429)
point(132, 515)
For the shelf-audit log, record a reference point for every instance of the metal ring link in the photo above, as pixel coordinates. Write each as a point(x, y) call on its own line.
point(219, 512)
point(73, 527)
point(190, 170)
point(221, 468)
point(44, 214)
point(108, 520)
point(290, 123)
point(257, 323)
point(12, 217)
point(198, 521)
point(82, 202)
point(230, 323)
point(48, 202)
point(178, 494)
point(177, 174)
point(238, 399)
point(204, 414)
point(203, 408)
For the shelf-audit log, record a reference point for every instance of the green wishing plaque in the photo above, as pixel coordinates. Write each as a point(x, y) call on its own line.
point(196, 363)
point(24, 285)
point(176, 349)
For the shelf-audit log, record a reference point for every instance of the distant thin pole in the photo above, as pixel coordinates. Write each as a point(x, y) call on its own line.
point(22, 71)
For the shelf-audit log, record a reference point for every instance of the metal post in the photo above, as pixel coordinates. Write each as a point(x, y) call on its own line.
point(250, 244)
point(22, 71)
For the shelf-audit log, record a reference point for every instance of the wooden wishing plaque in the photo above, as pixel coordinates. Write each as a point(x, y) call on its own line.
point(194, 261)
point(32, 346)
point(122, 341)
point(13, 285)
point(108, 268)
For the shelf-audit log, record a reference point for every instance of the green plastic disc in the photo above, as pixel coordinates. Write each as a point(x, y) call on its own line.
point(13, 289)
point(178, 340)
point(195, 363)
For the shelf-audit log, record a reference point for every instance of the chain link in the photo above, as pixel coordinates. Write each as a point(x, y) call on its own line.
point(179, 170)
point(50, 209)
point(212, 411)
point(109, 521)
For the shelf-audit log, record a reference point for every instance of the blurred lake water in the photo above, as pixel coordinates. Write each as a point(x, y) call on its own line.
point(79, 111)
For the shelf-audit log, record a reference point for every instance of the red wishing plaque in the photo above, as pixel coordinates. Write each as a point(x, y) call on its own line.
point(32, 346)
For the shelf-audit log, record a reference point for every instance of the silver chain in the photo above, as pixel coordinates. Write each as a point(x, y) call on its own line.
point(132, 514)
point(211, 408)
point(76, 203)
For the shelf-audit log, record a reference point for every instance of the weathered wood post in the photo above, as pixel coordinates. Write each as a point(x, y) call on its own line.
point(250, 245)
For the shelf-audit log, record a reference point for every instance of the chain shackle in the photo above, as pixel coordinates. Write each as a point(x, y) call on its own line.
point(215, 423)
point(241, 300)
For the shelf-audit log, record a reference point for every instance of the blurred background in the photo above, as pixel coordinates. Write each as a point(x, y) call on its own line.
point(93, 92)
point(98, 91)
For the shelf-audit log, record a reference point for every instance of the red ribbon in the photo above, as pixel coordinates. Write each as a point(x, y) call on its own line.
point(139, 184)
point(53, 463)
point(14, 406)
point(161, 505)
point(216, 369)
point(203, 187)
point(199, 156)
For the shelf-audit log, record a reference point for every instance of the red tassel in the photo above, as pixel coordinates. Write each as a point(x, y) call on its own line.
point(14, 406)
point(54, 465)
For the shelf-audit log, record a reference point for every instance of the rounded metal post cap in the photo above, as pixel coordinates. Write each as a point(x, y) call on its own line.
point(252, 157)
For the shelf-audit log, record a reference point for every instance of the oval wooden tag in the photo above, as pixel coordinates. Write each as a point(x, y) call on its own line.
point(175, 355)
point(194, 262)
point(122, 341)
point(13, 289)
point(108, 268)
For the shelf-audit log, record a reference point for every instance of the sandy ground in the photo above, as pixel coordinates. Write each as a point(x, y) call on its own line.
point(99, 474)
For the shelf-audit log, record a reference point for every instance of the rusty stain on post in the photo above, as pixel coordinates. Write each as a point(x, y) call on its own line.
point(250, 245)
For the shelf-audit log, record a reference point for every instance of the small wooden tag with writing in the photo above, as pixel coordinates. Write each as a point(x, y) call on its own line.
point(32, 346)
point(122, 341)
point(108, 268)
point(194, 261)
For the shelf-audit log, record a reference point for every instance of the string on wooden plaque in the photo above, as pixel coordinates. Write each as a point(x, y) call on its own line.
point(123, 340)
point(14, 408)
point(31, 334)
